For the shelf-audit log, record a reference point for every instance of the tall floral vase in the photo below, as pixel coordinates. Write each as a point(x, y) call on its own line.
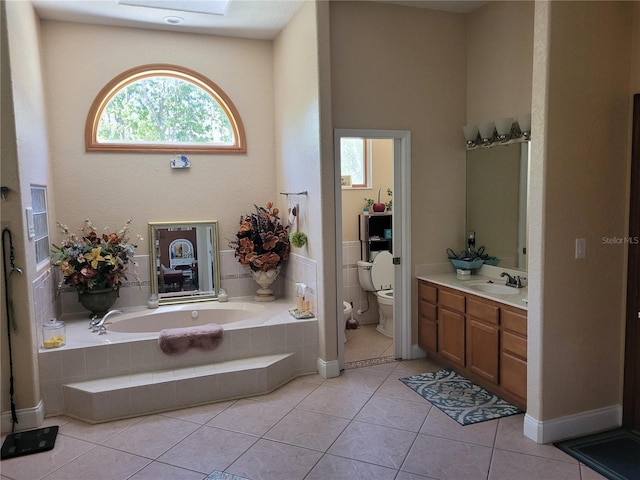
point(265, 279)
point(98, 301)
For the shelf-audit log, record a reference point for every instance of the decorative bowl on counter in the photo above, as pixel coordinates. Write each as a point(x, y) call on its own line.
point(467, 264)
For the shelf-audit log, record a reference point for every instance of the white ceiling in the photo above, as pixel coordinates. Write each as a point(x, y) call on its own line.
point(260, 19)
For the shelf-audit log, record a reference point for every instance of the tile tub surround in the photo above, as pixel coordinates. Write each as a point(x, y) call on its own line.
point(126, 358)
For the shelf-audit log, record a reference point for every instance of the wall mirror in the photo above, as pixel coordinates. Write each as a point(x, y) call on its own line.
point(184, 261)
point(497, 180)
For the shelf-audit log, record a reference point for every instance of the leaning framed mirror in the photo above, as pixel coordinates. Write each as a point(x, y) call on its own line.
point(184, 261)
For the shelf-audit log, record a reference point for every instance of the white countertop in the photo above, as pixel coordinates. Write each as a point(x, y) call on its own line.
point(518, 299)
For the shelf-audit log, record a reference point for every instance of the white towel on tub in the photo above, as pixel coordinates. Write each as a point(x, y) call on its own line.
point(175, 341)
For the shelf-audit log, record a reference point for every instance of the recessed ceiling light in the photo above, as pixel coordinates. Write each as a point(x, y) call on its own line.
point(174, 20)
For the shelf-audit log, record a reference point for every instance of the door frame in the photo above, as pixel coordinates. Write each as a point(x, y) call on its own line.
point(401, 235)
point(631, 397)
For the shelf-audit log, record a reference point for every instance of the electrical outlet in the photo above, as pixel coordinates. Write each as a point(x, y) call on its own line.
point(581, 248)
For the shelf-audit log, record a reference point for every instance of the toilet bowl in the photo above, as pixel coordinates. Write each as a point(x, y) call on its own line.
point(385, 309)
point(346, 312)
point(377, 277)
point(346, 315)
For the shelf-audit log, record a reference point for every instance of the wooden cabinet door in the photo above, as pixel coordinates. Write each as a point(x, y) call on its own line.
point(427, 326)
point(451, 336)
point(427, 317)
point(483, 349)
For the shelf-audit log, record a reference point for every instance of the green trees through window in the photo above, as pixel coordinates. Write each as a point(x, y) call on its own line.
point(162, 107)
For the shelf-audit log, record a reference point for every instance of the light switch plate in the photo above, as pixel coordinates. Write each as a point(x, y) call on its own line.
point(581, 247)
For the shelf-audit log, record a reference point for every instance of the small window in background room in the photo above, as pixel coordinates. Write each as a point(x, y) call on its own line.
point(40, 223)
point(354, 162)
point(157, 108)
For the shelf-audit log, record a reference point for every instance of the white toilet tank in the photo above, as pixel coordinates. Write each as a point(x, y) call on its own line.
point(377, 275)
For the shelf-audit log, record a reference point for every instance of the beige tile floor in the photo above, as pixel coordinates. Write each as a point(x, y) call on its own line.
point(365, 424)
point(366, 343)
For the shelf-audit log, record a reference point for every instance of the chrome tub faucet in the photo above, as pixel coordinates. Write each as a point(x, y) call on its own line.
point(100, 326)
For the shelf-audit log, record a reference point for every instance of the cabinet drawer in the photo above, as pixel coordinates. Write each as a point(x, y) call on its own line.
point(453, 301)
point(427, 292)
point(514, 321)
point(483, 311)
point(427, 310)
point(514, 344)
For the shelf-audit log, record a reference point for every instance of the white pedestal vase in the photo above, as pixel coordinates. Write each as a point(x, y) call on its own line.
point(265, 279)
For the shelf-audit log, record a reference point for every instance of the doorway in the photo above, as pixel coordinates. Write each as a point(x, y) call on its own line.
point(399, 142)
point(631, 401)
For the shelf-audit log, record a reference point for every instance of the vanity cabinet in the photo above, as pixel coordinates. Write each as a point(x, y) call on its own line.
point(481, 339)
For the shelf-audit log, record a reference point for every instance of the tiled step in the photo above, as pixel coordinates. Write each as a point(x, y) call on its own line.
point(125, 396)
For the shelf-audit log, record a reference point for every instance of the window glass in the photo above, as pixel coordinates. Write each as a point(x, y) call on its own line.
point(354, 160)
point(160, 107)
point(40, 223)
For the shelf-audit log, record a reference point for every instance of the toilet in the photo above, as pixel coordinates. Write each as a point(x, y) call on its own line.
point(377, 277)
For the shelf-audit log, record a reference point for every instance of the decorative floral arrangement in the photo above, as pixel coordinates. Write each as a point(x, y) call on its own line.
point(90, 261)
point(262, 242)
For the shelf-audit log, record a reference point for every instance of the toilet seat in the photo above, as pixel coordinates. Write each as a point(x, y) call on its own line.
point(385, 297)
point(382, 271)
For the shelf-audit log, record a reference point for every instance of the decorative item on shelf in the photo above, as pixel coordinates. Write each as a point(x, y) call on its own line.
point(368, 203)
point(502, 131)
point(95, 265)
point(379, 206)
point(262, 243)
point(471, 259)
point(389, 204)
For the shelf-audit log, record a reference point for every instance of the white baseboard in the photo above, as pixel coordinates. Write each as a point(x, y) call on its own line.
point(328, 369)
point(28, 418)
point(417, 352)
point(570, 426)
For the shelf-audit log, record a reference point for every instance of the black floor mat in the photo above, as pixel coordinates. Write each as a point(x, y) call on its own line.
point(614, 454)
point(28, 442)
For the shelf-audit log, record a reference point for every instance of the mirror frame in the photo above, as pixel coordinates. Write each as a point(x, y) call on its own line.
point(214, 262)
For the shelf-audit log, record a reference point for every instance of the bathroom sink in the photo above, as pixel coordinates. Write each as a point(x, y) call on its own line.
point(494, 288)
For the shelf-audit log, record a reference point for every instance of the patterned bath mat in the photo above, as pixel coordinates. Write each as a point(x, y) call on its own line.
point(456, 396)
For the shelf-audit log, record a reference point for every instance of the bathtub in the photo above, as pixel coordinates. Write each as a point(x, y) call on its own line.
point(123, 373)
point(229, 315)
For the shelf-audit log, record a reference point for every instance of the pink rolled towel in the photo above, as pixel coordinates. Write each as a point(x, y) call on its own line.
point(174, 341)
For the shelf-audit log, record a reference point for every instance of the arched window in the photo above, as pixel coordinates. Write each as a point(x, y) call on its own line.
point(163, 108)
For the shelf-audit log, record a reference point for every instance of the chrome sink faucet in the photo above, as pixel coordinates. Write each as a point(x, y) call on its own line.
point(100, 326)
point(513, 281)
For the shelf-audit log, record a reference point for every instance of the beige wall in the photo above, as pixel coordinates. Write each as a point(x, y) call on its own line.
point(499, 60)
point(298, 157)
point(579, 184)
point(382, 179)
point(25, 161)
point(402, 68)
point(110, 187)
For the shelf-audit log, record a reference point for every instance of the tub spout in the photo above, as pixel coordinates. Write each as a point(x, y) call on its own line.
point(100, 326)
